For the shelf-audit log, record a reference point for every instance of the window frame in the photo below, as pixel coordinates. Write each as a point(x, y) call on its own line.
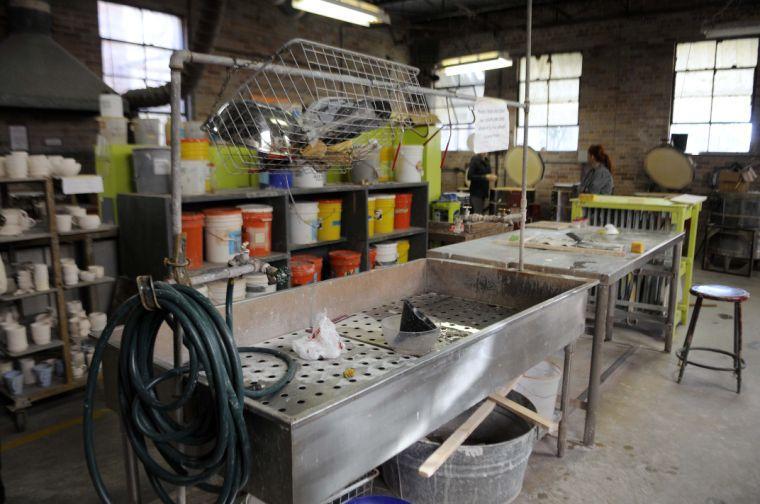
point(519, 138)
point(714, 69)
point(146, 112)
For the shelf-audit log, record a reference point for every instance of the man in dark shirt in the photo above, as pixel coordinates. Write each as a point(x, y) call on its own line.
point(480, 176)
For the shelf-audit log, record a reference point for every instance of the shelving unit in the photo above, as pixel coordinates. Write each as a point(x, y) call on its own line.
point(49, 239)
point(146, 219)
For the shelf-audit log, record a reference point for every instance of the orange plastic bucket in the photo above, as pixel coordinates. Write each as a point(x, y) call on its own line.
point(316, 260)
point(257, 228)
point(403, 212)
point(372, 257)
point(301, 272)
point(344, 262)
point(192, 226)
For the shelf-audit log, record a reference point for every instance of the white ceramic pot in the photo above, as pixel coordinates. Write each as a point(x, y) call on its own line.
point(11, 230)
point(99, 271)
point(18, 217)
point(74, 307)
point(76, 211)
point(26, 364)
point(64, 222)
point(97, 320)
point(88, 221)
point(15, 338)
point(16, 165)
point(86, 276)
point(41, 276)
point(68, 167)
point(41, 333)
point(39, 166)
point(24, 280)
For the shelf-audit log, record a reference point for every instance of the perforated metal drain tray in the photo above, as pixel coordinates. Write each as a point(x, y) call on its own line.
point(324, 430)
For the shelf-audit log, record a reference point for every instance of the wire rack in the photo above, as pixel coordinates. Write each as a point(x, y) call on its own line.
point(314, 106)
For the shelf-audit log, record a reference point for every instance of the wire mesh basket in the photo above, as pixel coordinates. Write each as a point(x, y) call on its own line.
point(315, 106)
point(359, 488)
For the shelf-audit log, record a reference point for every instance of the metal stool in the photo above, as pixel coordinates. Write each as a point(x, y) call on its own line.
point(716, 293)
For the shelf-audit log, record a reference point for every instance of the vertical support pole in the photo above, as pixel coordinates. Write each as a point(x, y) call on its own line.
point(130, 467)
point(594, 381)
point(563, 401)
point(675, 282)
point(611, 311)
point(523, 187)
point(176, 103)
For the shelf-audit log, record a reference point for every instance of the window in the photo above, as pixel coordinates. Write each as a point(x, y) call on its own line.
point(457, 113)
point(712, 97)
point(136, 45)
point(554, 89)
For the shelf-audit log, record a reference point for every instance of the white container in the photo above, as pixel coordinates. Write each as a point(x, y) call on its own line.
point(67, 167)
point(39, 166)
point(64, 222)
point(540, 384)
point(303, 222)
point(88, 221)
point(76, 211)
point(41, 333)
point(257, 284)
point(217, 292)
point(223, 235)
point(113, 129)
point(41, 276)
point(70, 275)
point(26, 364)
point(87, 276)
point(387, 254)
point(194, 176)
point(98, 321)
point(111, 105)
point(409, 163)
point(147, 131)
point(307, 176)
point(5, 366)
point(98, 270)
point(17, 165)
point(74, 307)
point(15, 338)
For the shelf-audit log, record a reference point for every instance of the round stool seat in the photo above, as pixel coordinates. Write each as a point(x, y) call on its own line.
point(720, 293)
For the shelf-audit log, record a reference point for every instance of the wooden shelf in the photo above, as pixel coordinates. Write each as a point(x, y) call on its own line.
point(104, 231)
point(4, 180)
point(318, 244)
point(33, 349)
point(37, 235)
point(401, 233)
point(5, 298)
point(34, 392)
point(97, 281)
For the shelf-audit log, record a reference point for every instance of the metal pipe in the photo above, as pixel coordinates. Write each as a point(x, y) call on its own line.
point(670, 327)
point(526, 105)
point(182, 57)
point(594, 381)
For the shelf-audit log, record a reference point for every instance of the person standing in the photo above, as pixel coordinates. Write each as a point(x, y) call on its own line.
point(597, 178)
point(480, 177)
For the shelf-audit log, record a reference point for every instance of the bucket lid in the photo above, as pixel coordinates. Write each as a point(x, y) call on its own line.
point(534, 168)
point(221, 212)
point(385, 196)
point(387, 246)
point(192, 216)
point(330, 202)
point(344, 255)
point(302, 267)
point(668, 167)
point(255, 208)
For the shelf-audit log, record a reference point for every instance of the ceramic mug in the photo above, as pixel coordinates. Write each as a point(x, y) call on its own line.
point(88, 221)
point(98, 321)
point(74, 307)
point(64, 222)
point(41, 277)
point(16, 165)
point(15, 338)
point(39, 166)
point(41, 333)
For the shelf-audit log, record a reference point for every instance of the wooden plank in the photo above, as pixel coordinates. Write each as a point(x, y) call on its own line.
point(550, 225)
point(558, 248)
point(459, 436)
point(524, 412)
point(689, 199)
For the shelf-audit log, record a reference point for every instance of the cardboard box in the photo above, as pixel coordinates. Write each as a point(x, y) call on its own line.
point(731, 181)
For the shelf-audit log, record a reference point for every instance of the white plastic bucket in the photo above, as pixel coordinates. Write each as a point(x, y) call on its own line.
point(113, 129)
point(194, 176)
point(111, 105)
point(257, 284)
point(147, 131)
point(540, 384)
point(387, 254)
point(409, 163)
point(303, 222)
point(223, 236)
point(307, 176)
point(217, 291)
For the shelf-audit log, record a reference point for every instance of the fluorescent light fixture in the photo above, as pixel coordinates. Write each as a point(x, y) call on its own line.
point(475, 62)
point(350, 11)
point(732, 29)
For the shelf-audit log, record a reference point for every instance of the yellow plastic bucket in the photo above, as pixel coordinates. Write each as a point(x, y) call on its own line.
point(371, 215)
point(385, 212)
point(403, 251)
point(196, 149)
point(386, 161)
point(329, 220)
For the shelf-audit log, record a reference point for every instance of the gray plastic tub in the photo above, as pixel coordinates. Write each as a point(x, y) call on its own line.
point(488, 469)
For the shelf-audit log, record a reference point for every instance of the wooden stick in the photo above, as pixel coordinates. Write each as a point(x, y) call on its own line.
point(459, 436)
point(524, 412)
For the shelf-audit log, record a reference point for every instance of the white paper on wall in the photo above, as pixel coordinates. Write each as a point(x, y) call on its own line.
point(491, 125)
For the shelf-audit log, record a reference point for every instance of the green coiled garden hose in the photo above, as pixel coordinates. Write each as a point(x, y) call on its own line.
point(216, 437)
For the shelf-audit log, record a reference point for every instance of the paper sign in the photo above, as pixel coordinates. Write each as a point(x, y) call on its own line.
point(491, 125)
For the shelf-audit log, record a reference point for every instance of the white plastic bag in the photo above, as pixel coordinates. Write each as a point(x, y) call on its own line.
point(323, 342)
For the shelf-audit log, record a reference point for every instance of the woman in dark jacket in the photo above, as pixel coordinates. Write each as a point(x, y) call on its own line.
point(598, 177)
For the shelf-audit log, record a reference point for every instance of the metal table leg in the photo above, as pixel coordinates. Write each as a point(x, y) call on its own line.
point(600, 327)
point(670, 327)
point(564, 398)
point(130, 467)
point(611, 311)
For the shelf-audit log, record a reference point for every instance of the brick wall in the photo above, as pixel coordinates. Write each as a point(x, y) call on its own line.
point(626, 86)
point(250, 28)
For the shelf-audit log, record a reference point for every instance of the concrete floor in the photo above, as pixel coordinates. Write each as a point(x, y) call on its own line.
point(657, 441)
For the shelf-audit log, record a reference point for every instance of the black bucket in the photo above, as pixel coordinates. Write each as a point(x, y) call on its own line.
point(487, 469)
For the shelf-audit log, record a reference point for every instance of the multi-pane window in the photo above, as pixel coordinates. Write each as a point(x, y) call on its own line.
point(457, 116)
point(712, 97)
point(554, 91)
point(136, 45)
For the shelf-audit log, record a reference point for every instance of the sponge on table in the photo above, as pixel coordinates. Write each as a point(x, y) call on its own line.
point(637, 247)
